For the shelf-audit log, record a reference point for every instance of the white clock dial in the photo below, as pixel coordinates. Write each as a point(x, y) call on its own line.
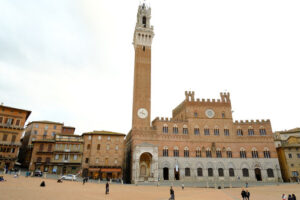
point(210, 113)
point(142, 113)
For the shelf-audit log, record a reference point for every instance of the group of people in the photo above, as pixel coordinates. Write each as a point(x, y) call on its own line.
point(290, 197)
point(245, 194)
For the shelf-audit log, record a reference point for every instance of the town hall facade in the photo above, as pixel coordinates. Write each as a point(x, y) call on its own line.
point(201, 141)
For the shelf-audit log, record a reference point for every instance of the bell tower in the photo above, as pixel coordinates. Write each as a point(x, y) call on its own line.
point(142, 40)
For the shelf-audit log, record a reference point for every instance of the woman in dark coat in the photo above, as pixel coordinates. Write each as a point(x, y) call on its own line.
point(107, 188)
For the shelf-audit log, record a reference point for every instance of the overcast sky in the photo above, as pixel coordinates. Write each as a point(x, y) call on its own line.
point(72, 61)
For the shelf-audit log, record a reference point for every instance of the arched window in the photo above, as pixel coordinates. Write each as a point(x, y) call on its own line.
point(267, 153)
point(187, 172)
point(262, 131)
point(270, 173)
point(199, 172)
point(245, 172)
point(229, 153)
point(231, 172)
point(185, 129)
point(176, 152)
point(144, 21)
point(210, 172)
point(223, 114)
point(208, 153)
point(196, 130)
point(175, 129)
point(165, 128)
point(250, 131)
point(226, 132)
point(206, 131)
point(254, 153)
point(243, 153)
point(165, 152)
point(239, 132)
point(41, 147)
point(216, 131)
point(198, 152)
point(218, 153)
point(98, 146)
point(221, 172)
point(186, 152)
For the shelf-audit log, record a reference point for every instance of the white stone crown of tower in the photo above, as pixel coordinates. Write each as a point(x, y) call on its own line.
point(143, 33)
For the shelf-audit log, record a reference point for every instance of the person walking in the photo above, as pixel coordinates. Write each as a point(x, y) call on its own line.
point(247, 195)
point(290, 197)
point(182, 186)
point(172, 194)
point(243, 194)
point(294, 197)
point(107, 188)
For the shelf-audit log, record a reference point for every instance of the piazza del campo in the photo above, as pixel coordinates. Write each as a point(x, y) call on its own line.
point(200, 151)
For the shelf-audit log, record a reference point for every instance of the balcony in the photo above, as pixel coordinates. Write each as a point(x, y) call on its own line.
point(10, 143)
point(2, 125)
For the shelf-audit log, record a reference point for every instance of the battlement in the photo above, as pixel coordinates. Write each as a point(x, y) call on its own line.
point(190, 97)
point(166, 119)
point(251, 121)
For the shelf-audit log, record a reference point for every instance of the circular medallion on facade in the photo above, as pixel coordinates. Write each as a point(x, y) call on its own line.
point(209, 113)
point(142, 113)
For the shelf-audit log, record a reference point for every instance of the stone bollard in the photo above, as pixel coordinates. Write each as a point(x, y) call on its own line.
point(122, 182)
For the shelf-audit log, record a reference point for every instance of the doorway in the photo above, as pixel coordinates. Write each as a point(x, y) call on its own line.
point(166, 173)
point(257, 174)
point(177, 174)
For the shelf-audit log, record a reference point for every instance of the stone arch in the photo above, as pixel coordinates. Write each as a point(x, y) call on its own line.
point(165, 164)
point(231, 165)
point(199, 165)
point(244, 165)
point(145, 161)
point(220, 165)
point(210, 165)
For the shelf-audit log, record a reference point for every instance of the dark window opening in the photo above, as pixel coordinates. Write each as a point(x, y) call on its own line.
point(144, 48)
point(144, 21)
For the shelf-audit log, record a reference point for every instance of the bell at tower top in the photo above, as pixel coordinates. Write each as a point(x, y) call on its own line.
point(143, 33)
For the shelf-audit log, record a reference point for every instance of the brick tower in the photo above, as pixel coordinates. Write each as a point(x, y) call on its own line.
point(142, 41)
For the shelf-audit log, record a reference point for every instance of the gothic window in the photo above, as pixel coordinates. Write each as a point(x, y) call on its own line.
point(239, 132)
point(267, 153)
point(144, 48)
point(187, 172)
point(175, 129)
point(165, 152)
point(206, 131)
point(165, 128)
point(198, 152)
point(243, 153)
point(199, 172)
point(86, 160)
point(186, 152)
point(216, 131)
point(223, 114)
point(219, 153)
point(210, 172)
point(231, 172)
point(196, 131)
point(98, 146)
point(18, 122)
point(250, 131)
point(47, 160)
point(245, 172)
point(39, 159)
point(176, 152)
point(229, 153)
point(226, 132)
point(195, 114)
point(185, 129)
point(254, 153)
point(221, 172)
point(208, 153)
point(88, 146)
point(262, 131)
point(270, 173)
point(144, 21)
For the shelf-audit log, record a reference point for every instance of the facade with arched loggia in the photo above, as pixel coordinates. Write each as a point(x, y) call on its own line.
point(200, 142)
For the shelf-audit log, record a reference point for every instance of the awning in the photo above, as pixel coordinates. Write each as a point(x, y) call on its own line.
point(94, 169)
point(110, 170)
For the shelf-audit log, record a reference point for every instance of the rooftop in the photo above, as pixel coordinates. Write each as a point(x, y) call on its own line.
point(45, 122)
point(103, 133)
point(28, 112)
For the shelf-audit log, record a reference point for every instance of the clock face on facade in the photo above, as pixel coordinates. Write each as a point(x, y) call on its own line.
point(142, 113)
point(209, 113)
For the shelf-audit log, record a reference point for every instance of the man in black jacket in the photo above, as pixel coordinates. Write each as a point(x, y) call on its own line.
point(172, 194)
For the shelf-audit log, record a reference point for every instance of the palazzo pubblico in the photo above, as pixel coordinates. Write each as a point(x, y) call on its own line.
point(201, 142)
